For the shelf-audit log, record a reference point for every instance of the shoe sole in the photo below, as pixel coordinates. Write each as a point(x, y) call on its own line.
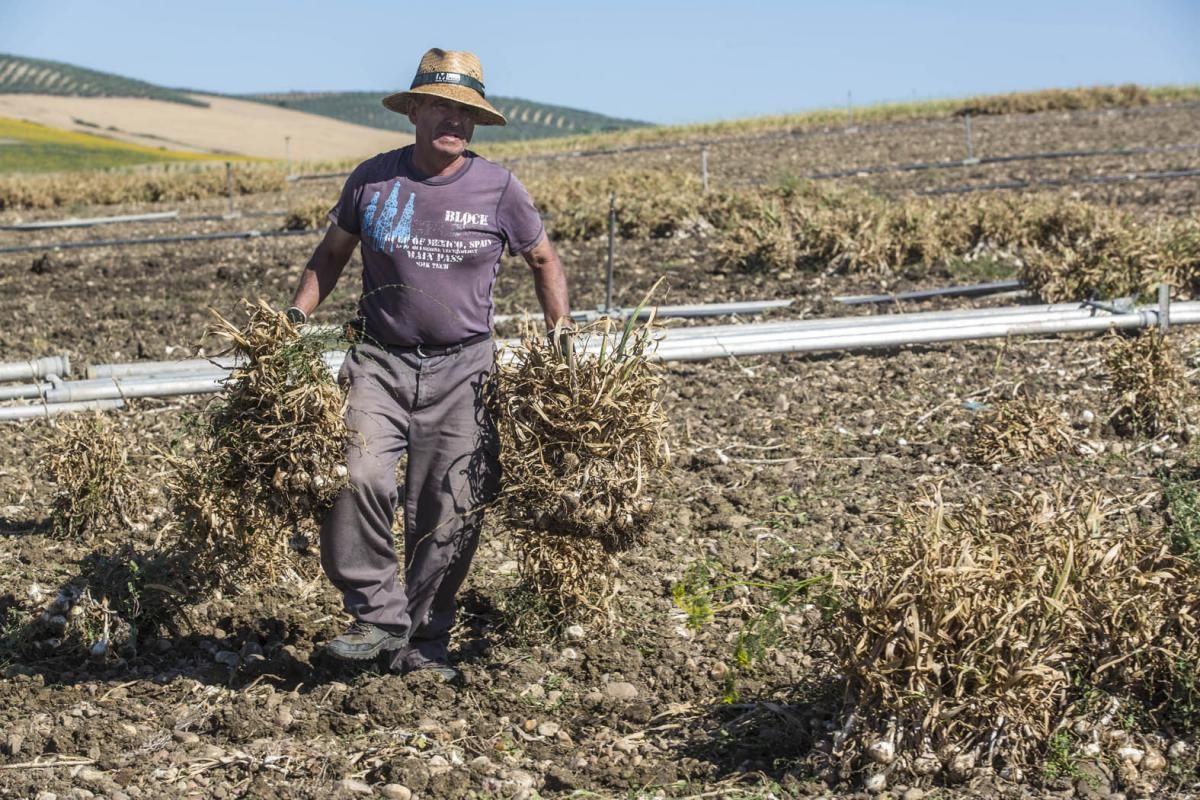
point(446, 673)
point(367, 653)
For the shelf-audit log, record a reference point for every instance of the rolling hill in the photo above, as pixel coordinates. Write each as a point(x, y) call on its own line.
point(109, 120)
point(526, 119)
point(163, 124)
point(21, 75)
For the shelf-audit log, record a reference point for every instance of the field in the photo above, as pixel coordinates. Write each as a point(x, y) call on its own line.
point(718, 677)
point(219, 127)
point(28, 147)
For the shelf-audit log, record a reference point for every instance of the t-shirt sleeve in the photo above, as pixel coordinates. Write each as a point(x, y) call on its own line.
point(345, 213)
point(518, 218)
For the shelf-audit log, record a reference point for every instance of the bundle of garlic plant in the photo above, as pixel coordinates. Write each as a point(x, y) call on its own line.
point(1148, 382)
point(98, 490)
point(270, 452)
point(969, 635)
point(1023, 427)
point(121, 596)
point(581, 432)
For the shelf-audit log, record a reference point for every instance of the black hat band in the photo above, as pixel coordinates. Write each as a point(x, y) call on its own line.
point(452, 78)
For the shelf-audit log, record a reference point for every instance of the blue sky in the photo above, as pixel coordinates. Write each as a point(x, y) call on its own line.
point(667, 62)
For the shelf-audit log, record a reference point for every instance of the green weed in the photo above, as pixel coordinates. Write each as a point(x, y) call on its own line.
point(983, 269)
point(706, 590)
point(1182, 495)
point(1059, 761)
point(693, 595)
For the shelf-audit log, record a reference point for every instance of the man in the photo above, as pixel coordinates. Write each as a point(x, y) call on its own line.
point(433, 219)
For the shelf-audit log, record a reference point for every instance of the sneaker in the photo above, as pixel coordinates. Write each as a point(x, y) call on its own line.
point(364, 640)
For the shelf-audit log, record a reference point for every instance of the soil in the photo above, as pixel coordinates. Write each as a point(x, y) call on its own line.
point(779, 463)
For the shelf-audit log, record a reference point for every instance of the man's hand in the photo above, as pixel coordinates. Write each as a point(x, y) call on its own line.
point(562, 339)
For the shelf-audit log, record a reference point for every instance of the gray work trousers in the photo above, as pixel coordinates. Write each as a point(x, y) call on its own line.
point(433, 408)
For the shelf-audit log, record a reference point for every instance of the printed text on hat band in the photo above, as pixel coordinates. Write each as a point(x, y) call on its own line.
point(456, 78)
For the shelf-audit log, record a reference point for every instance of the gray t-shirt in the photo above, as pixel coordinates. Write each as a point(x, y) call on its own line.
point(431, 247)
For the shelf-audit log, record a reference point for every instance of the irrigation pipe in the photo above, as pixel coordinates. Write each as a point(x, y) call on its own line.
point(88, 222)
point(49, 409)
point(217, 366)
point(194, 237)
point(203, 366)
point(855, 172)
point(1165, 175)
point(853, 333)
point(162, 385)
point(182, 368)
point(109, 388)
point(134, 368)
point(149, 219)
point(686, 311)
point(840, 333)
point(917, 333)
point(24, 391)
point(129, 373)
point(874, 321)
point(36, 368)
point(924, 166)
point(974, 290)
point(697, 310)
point(317, 176)
point(828, 132)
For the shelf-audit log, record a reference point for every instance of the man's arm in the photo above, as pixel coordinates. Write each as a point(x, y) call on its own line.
point(549, 281)
point(324, 268)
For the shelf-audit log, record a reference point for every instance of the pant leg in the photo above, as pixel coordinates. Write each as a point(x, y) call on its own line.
point(453, 472)
point(357, 549)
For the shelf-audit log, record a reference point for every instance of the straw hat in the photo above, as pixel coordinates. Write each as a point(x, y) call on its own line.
point(454, 74)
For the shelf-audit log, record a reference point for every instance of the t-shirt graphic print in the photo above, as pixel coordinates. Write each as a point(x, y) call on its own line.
point(379, 233)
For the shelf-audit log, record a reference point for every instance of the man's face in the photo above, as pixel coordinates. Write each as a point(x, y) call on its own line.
point(445, 125)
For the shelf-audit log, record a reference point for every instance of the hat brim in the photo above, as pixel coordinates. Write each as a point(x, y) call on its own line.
point(401, 102)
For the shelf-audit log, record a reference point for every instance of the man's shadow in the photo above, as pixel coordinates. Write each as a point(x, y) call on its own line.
point(130, 613)
point(13, 527)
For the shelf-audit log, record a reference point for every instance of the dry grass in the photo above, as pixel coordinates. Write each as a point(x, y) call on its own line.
point(649, 203)
point(270, 456)
point(582, 444)
point(965, 638)
point(1147, 382)
point(144, 185)
point(1127, 95)
point(582, 435)
point(311, 215)
point(563, 579)
point(762, 241)
point(1063, 249)
point(1072, 250)
point(1022, 428)
point(88, 459)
